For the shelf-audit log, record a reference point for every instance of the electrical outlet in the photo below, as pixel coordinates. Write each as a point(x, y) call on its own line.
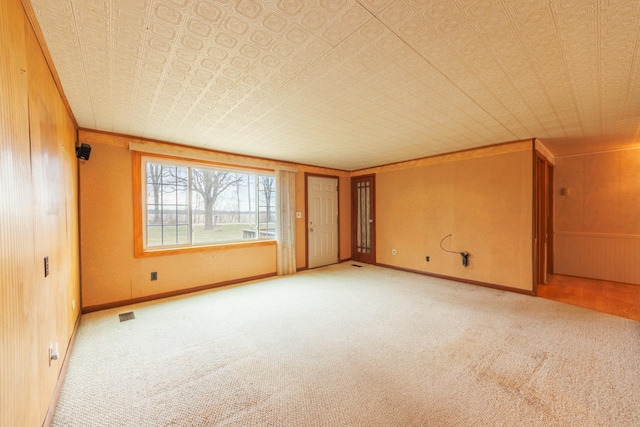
point(393, 251)
point(54, 354)
point(427, 258)
point(154, 275)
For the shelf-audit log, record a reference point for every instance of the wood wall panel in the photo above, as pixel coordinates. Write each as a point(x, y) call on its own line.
point(597, 216)
point(38, 217)
point(18, 355)
point(598, 256)
point(53, 165)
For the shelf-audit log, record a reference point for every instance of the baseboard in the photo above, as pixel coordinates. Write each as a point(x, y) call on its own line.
point(592, 278)
point(147, 298)
point(458, 279)
point(299, 269)
point(51, 411)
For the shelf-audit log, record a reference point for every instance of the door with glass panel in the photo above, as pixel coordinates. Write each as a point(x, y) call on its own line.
point(363, 217)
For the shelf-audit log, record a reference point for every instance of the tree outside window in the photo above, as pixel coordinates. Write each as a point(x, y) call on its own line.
point(196, 205)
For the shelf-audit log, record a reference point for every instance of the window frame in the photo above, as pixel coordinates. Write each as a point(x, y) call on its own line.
point(139, 207)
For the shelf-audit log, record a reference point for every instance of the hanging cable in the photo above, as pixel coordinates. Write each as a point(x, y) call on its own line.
point(465, 255)
point(446, 250)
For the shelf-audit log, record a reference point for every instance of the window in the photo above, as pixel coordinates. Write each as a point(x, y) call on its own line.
point(189, 204)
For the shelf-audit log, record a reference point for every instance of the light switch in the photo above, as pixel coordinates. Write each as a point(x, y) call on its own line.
point(298, 214)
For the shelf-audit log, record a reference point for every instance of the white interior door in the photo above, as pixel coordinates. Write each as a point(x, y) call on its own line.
point(322, 225)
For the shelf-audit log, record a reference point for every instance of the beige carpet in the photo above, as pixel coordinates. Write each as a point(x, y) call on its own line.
point(356, 347)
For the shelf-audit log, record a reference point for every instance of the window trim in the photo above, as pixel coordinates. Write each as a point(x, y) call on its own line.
point(138, 223)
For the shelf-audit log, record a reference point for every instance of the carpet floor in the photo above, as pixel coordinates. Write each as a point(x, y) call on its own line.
point(347, 346)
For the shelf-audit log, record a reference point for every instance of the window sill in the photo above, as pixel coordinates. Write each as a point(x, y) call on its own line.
point(141, 253)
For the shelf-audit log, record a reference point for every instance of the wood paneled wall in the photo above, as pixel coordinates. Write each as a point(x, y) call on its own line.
point(597, 216)
point(612, 257)
point(38, 218)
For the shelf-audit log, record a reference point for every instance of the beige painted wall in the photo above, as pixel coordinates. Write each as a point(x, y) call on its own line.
point(111, 273)
point(597, 225)
point(482, 198)
point(38, 218)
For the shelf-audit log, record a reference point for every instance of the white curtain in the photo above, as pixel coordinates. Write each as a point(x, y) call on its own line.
point(286, 202)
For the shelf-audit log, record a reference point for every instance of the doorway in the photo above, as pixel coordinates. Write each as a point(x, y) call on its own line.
point(543, 221)
point(322, 224)
point(362, 219)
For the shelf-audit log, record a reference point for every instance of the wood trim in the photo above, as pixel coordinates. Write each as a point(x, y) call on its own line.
point(551, 195)
point(534, 217)
point(634, 147)
point(138, 244)
point(457, 279)
point(591, 279)
point(123, 140)
point(79, 213)
point(199, 154)
point(51, 411)
point(33, 21)
point(544, 151)
point(204, 248)
point(90, 136)
point(306, 217)
point(198, 162)
point(598, 235)
point(487, 150)
point(170, 294)
point(340, 261)
point(306, 213)
point(542, 204)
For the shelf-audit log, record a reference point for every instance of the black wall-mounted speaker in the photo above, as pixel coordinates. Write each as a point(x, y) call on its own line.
point(83, 151)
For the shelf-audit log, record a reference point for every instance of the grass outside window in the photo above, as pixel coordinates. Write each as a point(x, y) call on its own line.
point(185, 204)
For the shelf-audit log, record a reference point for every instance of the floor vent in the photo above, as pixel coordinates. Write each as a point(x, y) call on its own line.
point(127, 316)
point(356, 265)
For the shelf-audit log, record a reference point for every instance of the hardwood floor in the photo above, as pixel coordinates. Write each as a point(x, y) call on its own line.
point(619, 299)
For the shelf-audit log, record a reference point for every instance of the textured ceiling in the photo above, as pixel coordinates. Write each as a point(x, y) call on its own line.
point(351, 84)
